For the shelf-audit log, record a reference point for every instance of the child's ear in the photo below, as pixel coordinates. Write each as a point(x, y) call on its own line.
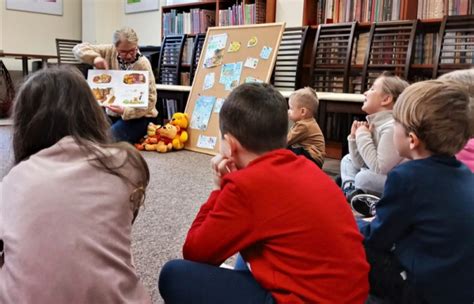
point(304, 111)
point(387, 100)
point(233, 143)
point(414, 141)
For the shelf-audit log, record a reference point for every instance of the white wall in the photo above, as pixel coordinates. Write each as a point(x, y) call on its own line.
point(146, 24)
point(26, 32)
point(290, 11)
point(2, 4)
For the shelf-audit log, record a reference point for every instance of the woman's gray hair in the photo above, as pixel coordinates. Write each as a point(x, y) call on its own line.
point(125, 34)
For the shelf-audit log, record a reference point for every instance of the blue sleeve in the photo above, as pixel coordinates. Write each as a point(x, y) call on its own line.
point(394, 213)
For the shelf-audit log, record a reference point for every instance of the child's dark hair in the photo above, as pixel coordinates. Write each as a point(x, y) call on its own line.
point(57, 102)
point(257, 115)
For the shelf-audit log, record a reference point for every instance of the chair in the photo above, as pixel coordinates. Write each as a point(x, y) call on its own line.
point(64, 50)
point(390, 48)
point(6, 86)
point(332, 57)
point(455, 49)
point(289, 60)
point(197, 49)
point(169, 68)
point(152, 53)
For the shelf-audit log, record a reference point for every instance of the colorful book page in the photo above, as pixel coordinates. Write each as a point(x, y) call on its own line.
point(215, 50)
point(230, 75)
point(266, 52)
point(122, 88)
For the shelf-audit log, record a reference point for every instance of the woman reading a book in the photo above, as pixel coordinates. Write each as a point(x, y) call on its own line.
point(128, 124)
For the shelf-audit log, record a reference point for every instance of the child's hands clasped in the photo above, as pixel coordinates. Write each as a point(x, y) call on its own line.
point(221, 166)
point(360, 126)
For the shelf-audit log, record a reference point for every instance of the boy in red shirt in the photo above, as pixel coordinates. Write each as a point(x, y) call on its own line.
point(288, 220)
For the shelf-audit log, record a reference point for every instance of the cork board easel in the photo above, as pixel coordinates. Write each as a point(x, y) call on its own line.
point(268, 35)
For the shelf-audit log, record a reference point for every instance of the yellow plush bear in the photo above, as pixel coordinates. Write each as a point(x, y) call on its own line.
point(180, 120)
point(165, 138)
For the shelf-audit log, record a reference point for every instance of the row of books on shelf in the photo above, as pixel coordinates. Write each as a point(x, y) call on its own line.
point(192, 22)
point(428, 9)
point(335, 11)
point(242, 14)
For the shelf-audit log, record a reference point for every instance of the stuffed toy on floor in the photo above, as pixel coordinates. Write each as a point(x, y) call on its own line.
point(171, 136)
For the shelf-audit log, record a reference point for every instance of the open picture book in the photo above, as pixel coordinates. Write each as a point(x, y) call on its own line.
point(115, 87)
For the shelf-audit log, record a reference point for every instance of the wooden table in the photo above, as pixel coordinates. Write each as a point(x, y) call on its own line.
point(25, 57)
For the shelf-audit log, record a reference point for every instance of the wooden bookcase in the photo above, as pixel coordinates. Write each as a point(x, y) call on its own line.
point(213, 5)
point(216, 5)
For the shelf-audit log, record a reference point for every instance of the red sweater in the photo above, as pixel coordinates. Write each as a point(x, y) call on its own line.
point(293, 226)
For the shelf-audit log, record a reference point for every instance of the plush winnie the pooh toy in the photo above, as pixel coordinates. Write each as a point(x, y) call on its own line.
point(168, 137)
point(180, 120)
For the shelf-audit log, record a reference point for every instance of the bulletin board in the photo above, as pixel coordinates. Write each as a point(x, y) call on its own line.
point(230, 56)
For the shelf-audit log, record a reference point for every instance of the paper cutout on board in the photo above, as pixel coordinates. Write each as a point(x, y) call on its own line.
point(252, 41)
point(206, 142)
point(234, 47)
point(266, 52)
point(115, 87)
point(202, 112)
point(250, 79)
point(251, 62)
point(209, 80)
point(218, 105)
point(230, 75)
point(215, 50)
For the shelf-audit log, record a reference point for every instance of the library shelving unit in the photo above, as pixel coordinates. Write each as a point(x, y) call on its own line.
point(193, 18)
point(426, 55)
point(429, 12)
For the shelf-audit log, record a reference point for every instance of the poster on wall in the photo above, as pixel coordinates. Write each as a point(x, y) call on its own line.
point(52, 7)
point(138, 6)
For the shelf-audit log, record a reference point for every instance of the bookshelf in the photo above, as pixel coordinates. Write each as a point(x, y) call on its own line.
point(192, 18)
point(195, 17)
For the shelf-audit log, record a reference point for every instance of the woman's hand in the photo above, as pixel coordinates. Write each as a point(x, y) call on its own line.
point(100, 63)
point(221, 166)
point(116, 109)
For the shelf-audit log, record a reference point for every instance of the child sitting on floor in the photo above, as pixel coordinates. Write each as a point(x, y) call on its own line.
point(297, 234)
point(305, 137)
point(371, 151)
point(466, 78)
point(421, 243)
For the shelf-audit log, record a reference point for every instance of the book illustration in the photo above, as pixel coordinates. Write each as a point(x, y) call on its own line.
point(230, 75)
point(134, 78)
point(209, 80)
point(206, 142)
point(252, 41)
point(215, 50)
point(122, 88)
point(266, 52)
point(202, 112)
point(104, 96)
point(218, 105)
point(251, 62)
point(133, 97)
point(234, 47)
point(102, 78)
point(250, 79)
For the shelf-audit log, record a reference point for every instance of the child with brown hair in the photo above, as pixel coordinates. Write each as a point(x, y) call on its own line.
point(67, 207)
point(299, 248)
point(465, 78)
point(421, 243)
point(371, 151)
point(305, 137)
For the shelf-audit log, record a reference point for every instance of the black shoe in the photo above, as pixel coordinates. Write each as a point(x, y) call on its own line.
point(364, 204)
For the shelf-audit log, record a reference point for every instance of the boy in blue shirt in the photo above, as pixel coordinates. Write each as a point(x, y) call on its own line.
point(421, 242)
